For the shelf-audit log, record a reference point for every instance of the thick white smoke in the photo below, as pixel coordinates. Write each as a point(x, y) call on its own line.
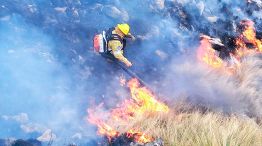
point(218, 90)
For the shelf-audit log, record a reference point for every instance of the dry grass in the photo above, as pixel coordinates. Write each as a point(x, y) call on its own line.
point(197, 129)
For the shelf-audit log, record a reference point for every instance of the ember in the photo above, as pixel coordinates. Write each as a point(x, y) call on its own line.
point(142, 101)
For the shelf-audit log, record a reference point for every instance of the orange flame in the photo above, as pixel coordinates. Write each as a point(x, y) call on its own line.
point(145, 99)
point(142, 101)
point(139, 136)
point(207, 54)
point(103, 128)
point(248, 36)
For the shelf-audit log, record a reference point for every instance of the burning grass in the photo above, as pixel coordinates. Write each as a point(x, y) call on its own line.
point(142, 101)
point(143, 118)
point(246, 43)
point(198, 129)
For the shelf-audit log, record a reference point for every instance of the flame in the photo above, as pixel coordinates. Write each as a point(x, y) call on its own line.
point(248, 36)
point(139, 136)
point(103, 128)
point(207, 54)
point(145, 99)
point(142, 102)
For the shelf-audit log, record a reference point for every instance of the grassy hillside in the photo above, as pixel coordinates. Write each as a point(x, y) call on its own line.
point(198, 129)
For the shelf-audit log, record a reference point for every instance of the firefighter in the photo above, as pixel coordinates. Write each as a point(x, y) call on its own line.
point(114, 42)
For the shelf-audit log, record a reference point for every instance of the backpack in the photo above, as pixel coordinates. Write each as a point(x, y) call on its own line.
point(100, 41)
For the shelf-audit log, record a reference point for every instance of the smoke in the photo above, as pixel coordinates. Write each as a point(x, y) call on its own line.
point(186, 78)
point(35, 88)
point(217, 90)
point(49, 72)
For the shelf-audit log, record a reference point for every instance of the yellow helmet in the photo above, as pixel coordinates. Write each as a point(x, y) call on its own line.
point(124, 28)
